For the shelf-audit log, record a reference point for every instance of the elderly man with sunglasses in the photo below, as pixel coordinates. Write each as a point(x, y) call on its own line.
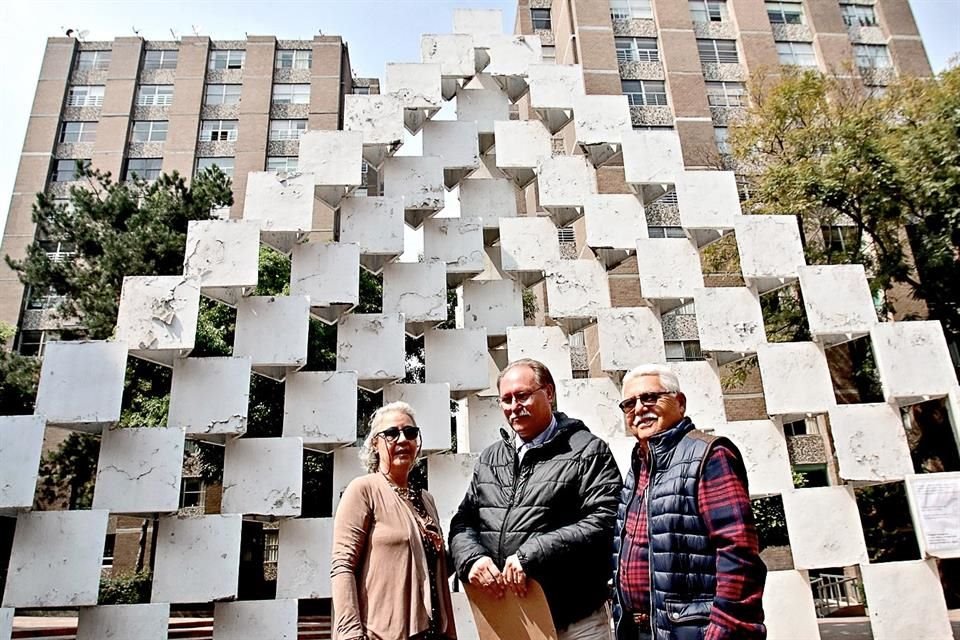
point(687, 562)
point(541, 505)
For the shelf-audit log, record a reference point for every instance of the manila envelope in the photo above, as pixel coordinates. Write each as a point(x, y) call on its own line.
point(512, 617)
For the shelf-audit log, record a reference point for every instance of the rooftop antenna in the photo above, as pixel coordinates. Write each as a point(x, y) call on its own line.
point(136, 31)
point(78, 34)
point(174, 34)
point(196, 29)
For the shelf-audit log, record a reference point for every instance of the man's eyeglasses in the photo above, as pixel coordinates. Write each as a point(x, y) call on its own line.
point(393, 433)
point(520, 397)
point(644, 398)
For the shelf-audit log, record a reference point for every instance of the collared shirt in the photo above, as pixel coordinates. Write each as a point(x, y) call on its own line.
point(725, 509)
point(523, 446)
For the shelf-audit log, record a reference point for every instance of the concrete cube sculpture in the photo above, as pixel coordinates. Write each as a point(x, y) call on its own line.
point(906, 600)
point(553, 90)
point(709, 203)
point(346, 467)
point(379, 119)
point(376, 225)
point(329, 274)
point(419, 181)
point(837, 301)
point(483, 106)
point(479, 420)
point(913, 361)
point(224, 255)
point(418, 291)
point(431, 403)
point(450, 474)
point(335, 158)
point(6, 623)
point(510, 58)
point(282, 205)
point(263, 476)
point(456, 56)
point(652, 160)
point(21, 442)
point(303, 558)
point(272, 332)
point(491, 200)
point(770, 250)
point(456, 143)
point(521, 146)
point(418, 88)
point(613, 225)
point(209, 396)
point(629, 337)
point(320, 407)
point(81, 384)
point(157, 317)
point(932, 498)
point(142, 621)
point(255, 619)
point(729, 321)
point(482, 24)
point(577, 290)
point(824, 527)
point(564, 183)
point(139, 470)
point(600, 122)
point(55, 559)
point(593, 400)
point(700, 383)
point(528, 247)
point(796, 379)
point(765, 455)
point(549, 345)
point(669, 270)
point(197, 559)
point(870, 442)
point(372, 345)
point(788, 606)
point(457, 243)
point(457, 356)
point(495, 305)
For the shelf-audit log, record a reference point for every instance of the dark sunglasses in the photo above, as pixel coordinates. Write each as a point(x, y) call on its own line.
point(393, 433)
point(644, 398)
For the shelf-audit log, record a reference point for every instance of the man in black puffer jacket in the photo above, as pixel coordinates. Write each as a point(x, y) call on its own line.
point(542, 504)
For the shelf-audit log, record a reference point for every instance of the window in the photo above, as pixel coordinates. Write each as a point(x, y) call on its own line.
point(708, 10)
point(785, 12)
point(38, 299)
point(57, 251)
point(668, 198)
point(291, 94)
point(549, 53)
point(284, 164)
point(293, 59)
point(361, 91)
point(577, 339)
point(566, 235)
point(364, 172)
point(715, 51)
point(191, 493)
point(795, 428)
point(271, 546)
point(164, 59)
point(726, 94)
point(858, 15)
point(287, 129)
point(645, 93)
point(799, 54)
point(109, 544)
point(637, 50)
point(149, 131)
point(688, 309)
point(721, 137)
point(683, 350)
point(155, 95)
point(225, 164)
point(143, 168)
point(66, 170)
point(665, 232)
point(218, 130)
point(85, 96)
point(541, 19)
point(74, 132)
point(839, 238)
point(32, 343)
point(92, 61)
point(217, 94)
point(872, 56)
point(631, 10)
point(226, 59)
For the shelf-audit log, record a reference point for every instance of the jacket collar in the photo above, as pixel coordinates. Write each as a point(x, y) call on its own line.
point(564, 425)
point(662, 444)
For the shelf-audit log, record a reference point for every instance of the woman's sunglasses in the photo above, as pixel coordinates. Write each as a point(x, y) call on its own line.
point(393, 433)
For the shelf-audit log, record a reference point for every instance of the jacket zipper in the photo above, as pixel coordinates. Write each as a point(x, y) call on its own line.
point(517, 465)
point(652, 460)
point(623, 535)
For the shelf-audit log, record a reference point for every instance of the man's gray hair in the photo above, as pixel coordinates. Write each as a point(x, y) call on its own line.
point(668, 379)
point(368, 451)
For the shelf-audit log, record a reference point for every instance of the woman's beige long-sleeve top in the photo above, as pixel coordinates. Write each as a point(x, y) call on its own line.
point(378, 572)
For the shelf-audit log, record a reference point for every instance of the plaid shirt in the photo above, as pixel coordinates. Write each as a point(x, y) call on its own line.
point(725, 509)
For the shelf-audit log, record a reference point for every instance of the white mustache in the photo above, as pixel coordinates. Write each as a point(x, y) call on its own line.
point(649, 414)
point(519, 413)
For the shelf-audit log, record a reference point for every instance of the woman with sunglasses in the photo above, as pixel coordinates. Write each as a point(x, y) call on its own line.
point(389, 570)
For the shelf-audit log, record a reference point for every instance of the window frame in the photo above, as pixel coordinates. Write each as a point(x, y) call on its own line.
point(730, 94)
point(199, 492)
point(785, 11)
point(838, 238)
point(58, 170)
point(232, 59)
point(223, 95)
point(299, 59)
point(642, 98)
point(541, 19)
point(144, 131)
point(709, 9)
point(226, 168)
point(286, 168)
point(157, 98)
point(692, 352)
point(92, 95)
point(215, 133)
point(631, 10)
point(274, 131)
point(859, 49)
point(721, 138)
point(100, 60)
point(633, 52)
point(858, 15)
point(151, 172)
point(712, 45)
point(167, 59)
point(297, 94)
point(796, 58)
point(86, 132)
point(666, 231)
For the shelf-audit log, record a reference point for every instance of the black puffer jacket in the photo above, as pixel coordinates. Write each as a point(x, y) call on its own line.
point(556, 512)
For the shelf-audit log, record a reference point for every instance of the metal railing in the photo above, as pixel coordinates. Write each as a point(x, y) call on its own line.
point(833, 592)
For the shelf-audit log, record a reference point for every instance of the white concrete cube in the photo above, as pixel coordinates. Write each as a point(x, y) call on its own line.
point(824, 527)
point(770, 250)
point(837, 300)
point(416, 85)
point(765, 455)
point(255, 619)
point(483, 106)
point(788, 607)
point(139, 470)
point(669, 268)
point(376, 224)
point(601, 119)
point(419, 181)
point(272, 332)
point(321, 408)
point(209, 396)
point(373, 346)
point(346, 467)
point(457, 243)
point(449, 477)
point(281, 204)
point(224, 254)
point(329, 274)
point(263, 476)
point(457, 356)
point(708, 200)
point(614, 221)
point(55, 559)
point(870, 442)
point(418, 290)
point(6, 623)
point(549, 345)
point(555, 86)
point(335, 158)
point(303, 558)
point(528, 246)
point(379, 118)
point(906, 600)
point(577, 290)
point(913, 360)
point(463, 616)
point(157, 317)
point(521, 144)
point(490, 200)
point(480, 23)
point(729, 319)
point(21, 442)
point(565, 181)
point(197, 559)
point(81, 384)
point(455, 143)
point(454, 52)
point(595, 402)
point(431, 404)
point(123, 622)
point(932, 498)
point(796, 379)
point(495, 305)
point(479, 421)
point(700, 383)
point(512, 54)
point(629, 337)
point(652, 157)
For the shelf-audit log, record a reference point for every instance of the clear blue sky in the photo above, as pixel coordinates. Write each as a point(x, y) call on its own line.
point(377, 31)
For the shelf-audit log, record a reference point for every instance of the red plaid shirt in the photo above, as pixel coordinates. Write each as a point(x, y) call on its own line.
point(725, 509)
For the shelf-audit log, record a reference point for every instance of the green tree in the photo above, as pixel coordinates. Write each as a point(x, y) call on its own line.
point(19, 376)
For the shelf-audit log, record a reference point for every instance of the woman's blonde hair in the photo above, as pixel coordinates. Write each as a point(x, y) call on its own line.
point(368, 451)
